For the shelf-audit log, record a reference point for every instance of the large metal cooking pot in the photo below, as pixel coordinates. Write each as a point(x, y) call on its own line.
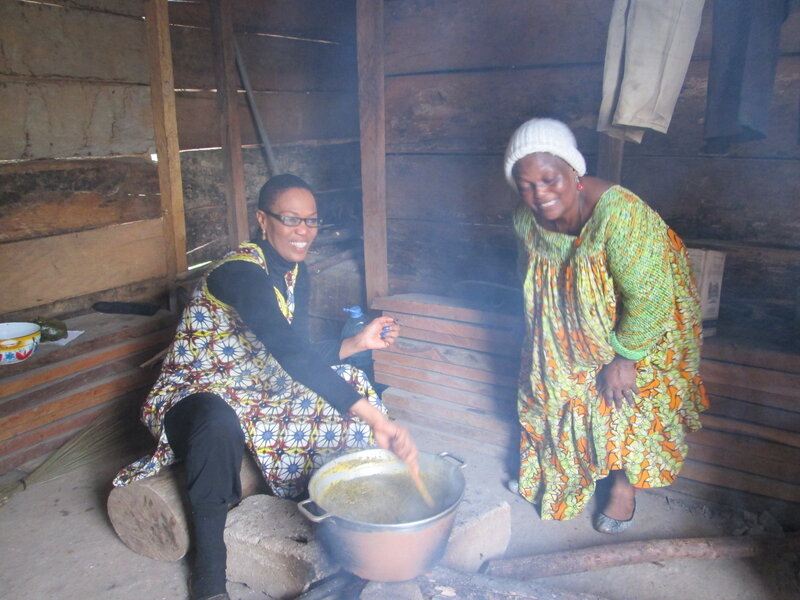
point(372, 519)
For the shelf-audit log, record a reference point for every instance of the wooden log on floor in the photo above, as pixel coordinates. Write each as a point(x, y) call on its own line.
point(632, 553)
point(149, 515)
point(474, 586)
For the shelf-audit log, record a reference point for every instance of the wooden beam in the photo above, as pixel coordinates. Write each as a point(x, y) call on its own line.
point(162, 99)
point(453, 382)
point(396, 359)
point(227, 103)
point(448, 356)
point(51, 372)
point(82, 398)
point(609, 158)
point(57, 197)
point(779, 383)
point(739, 480)
point(292, 117)
point(495, 404)
point(371, 108)
point(780, 436)
point(444, 307)
point(331, 20)
point(75, 264)
point(496, 344)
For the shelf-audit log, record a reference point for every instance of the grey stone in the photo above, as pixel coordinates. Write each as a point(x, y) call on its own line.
point(481, 532)
point(407, 590)
point(271, 548)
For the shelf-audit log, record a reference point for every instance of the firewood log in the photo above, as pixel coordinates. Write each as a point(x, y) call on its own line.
point(631, 553)
point(149, 515)
point(472, 586)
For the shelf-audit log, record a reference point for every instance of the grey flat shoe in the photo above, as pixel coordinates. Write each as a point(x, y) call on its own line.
point(605, 524)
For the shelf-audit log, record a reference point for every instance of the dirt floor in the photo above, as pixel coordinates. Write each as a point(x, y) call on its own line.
point(56, 543)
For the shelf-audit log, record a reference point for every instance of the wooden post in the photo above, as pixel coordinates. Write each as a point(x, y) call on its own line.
point(228, 105)
point(162, 98)
point(609, 158)
point(371, 109)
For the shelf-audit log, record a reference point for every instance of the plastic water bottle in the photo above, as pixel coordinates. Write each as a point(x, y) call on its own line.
point(355, 323)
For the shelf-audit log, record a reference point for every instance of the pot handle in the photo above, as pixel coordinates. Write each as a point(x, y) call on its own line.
point(306, 506)
point(461, 463)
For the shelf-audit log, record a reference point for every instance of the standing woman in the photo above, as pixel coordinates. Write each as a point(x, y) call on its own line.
point(609, 383)
point(242, 372)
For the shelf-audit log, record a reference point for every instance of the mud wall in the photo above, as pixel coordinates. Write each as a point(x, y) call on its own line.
point(80, 216)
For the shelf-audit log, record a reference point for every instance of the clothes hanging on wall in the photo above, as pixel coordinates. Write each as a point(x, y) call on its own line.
point(744, 58)
point(650, 44)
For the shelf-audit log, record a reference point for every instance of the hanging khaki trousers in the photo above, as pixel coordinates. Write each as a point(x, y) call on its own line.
point(650, 44)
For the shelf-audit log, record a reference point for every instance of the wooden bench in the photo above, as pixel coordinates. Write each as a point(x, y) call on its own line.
point(47, 398)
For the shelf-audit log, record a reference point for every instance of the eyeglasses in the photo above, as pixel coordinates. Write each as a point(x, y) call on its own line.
point(295, 221)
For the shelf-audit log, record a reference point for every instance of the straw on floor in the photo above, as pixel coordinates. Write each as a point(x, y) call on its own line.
point(107, 433)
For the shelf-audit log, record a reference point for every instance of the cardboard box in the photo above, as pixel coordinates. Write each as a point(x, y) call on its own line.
point(708, 266)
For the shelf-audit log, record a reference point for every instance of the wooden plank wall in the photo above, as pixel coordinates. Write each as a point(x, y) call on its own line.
point(301, 61)
point(81, 215)
point(301, 65)
point(461, 75)
point(79, 199)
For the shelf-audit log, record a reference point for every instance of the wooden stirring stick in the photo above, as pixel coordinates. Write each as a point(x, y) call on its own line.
point(421, 488)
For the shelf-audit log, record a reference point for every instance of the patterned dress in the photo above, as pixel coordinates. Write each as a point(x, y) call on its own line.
point(287, 427)
point(623, 286)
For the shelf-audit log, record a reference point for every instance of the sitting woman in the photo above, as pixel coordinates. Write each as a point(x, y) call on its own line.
point(609, 383)
point(242, 372)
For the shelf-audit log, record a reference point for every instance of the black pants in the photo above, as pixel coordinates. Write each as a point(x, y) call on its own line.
point(204, 433)
point(744, 58)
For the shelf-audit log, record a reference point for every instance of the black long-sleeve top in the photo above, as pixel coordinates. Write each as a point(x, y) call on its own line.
point(249, 290)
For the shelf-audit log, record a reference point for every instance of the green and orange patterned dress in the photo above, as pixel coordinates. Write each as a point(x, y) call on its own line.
point(623, 286)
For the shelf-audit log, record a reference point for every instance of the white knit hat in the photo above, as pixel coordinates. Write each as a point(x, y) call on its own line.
point(543, 135)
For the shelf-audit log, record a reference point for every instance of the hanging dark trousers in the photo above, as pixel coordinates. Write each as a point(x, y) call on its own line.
point(744, 58)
